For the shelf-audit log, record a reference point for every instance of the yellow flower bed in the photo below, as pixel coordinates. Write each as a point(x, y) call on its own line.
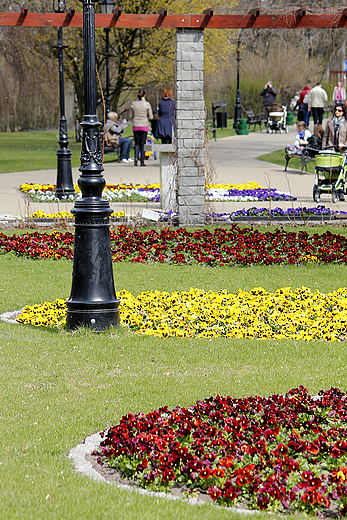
point(298, 314)
point(252, 185)
point(123, 186)
point(66, 214)
point(44, 187)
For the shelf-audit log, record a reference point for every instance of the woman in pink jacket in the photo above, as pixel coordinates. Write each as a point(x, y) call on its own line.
point(141, 114)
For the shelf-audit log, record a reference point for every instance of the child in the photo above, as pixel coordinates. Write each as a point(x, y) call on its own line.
point(302, 136)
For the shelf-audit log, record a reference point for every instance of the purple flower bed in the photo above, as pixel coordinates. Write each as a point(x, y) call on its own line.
point(256, 194)
point(276, 212)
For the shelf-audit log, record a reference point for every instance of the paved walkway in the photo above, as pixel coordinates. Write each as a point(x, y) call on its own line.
point(234, 159)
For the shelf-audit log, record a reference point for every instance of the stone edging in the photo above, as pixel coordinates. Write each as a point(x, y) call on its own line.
point(10, 316)
point(78, 456)
point(83, 466)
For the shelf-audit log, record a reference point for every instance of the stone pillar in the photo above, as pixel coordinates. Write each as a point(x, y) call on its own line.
point(190, 126)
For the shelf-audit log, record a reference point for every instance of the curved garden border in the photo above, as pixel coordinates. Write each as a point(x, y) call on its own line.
point(85, 467)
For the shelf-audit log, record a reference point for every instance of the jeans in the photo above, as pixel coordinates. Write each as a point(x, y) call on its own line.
point(307, 114)
point(125, 145)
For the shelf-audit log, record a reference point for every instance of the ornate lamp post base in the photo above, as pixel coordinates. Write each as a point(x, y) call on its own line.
point(93, 302)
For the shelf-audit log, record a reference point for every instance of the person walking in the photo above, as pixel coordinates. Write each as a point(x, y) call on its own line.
point(317, 99)
point(166, 123)
point(303, 103)
point(113, 137)
point(339, 93)
point(141, 114)
point(268, 94)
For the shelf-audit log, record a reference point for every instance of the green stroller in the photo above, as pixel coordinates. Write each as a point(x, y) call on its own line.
point(330, 175)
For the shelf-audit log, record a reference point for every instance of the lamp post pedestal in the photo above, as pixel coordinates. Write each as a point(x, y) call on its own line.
point(93, 302)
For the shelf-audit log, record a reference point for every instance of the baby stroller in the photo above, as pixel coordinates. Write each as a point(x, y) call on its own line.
point(277, 121)
point(329, 175)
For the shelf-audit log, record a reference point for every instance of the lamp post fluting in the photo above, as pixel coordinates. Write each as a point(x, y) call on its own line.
point(106, 7)
point(93, 302)
point(237, 108)
point(64, 183)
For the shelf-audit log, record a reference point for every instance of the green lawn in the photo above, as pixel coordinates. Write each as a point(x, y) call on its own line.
point(58, 387)
point(26, 151)
point(277, 157)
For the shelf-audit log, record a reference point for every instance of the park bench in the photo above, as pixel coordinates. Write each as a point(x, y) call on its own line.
point(254, 119)
point(305, 157)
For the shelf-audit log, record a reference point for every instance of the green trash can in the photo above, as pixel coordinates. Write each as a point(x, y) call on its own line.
point(242, 128)
point(290, 119)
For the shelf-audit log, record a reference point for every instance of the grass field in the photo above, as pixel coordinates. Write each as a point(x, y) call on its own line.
point(26, 151)
point(58, 387)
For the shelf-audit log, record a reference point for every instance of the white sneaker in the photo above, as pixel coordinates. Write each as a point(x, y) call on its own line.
point(130, 159)
point(125, 160)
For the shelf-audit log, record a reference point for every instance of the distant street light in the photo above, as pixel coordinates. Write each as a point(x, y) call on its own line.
point(237, 109)
point(93, 302)
point(106, 7)
point(65, 185)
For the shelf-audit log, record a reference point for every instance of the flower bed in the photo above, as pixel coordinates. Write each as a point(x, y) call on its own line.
point(302, 213)
point(250, 191)
point(112, 192)
point(279, 453)
point(298, 315)
point(66, 214)
point(220, 247)
point(247, 192)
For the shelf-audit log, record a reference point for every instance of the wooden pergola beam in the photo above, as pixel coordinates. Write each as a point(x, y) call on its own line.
point(298, 20)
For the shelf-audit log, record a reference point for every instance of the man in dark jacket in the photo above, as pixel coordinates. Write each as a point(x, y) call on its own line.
point(269, 94)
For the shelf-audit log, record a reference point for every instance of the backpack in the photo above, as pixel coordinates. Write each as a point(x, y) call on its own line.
point(111, 139)
point(305, 100)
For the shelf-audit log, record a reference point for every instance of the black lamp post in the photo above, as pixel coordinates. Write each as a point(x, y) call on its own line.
point(65, 185)
point(93, 301)
point(237, 109)
point(106, 7)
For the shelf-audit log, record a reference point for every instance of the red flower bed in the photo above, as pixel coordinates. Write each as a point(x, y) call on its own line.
point(282, 453)
point(223, 246)
point(39, 245)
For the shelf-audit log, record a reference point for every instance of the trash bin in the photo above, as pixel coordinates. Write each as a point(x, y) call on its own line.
point(242, 128)
point(222, 119)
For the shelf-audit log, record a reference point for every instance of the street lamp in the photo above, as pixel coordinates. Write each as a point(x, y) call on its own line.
point(93, 302)
point(65, 185)
point(106, 7)
point(237, 108)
